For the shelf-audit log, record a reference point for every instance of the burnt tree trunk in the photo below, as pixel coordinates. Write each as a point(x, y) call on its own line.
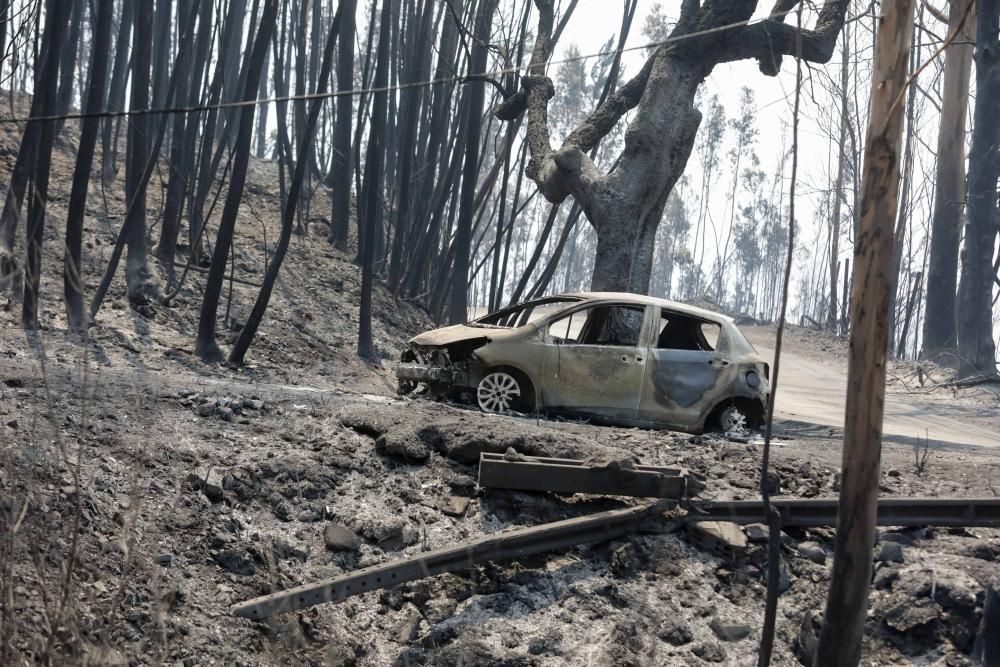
point(76, 314)
point(288, 215)
point(116, 93)
point(946, 222)
point(46, 90)
point(342, 168)
point(371, 216)
point(205, 345)
point(625, 205)
point(847, 600)
point(137, 275)
point(68, 64)
point(838, 193)
point(976, 349)
point(458, 310)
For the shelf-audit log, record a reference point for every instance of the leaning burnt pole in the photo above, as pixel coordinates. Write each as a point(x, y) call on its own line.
point(847, 601)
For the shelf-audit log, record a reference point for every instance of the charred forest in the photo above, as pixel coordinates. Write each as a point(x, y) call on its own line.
point(229, 229)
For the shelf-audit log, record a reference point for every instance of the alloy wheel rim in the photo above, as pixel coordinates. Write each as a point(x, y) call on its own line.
point(497, 392)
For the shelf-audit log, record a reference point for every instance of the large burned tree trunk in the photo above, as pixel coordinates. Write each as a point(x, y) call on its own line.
point(976, 349)
point(946, 226)
point(625, 205)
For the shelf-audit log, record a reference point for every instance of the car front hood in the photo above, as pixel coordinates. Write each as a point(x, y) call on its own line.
point(458, 333)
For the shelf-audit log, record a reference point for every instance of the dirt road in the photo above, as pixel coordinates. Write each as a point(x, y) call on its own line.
point(813, 391)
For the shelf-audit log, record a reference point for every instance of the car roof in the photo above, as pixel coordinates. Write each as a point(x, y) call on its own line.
point(641, 299)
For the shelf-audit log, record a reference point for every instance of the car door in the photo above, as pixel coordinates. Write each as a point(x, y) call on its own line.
point(594, 362)
point(683, 365)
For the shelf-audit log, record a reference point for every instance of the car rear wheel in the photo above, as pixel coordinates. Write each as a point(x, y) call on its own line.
point(500, 392)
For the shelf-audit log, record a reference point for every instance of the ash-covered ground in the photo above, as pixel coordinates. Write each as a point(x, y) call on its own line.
point(192, 496)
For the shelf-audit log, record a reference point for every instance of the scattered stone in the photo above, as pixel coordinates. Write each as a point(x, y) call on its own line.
point(710, 652)
point(807, 640)
point(403, 445)
point(885, 578)
point(308, 516)
point(456, 506)
point(284, 550)
point(282, 510)
point(226, 414)
point(205, 410)
point(165, 559)
point(409, 627)
point(209, 481)
point(756, 532)
point(12, 424)
point(677, 634)
point(722, 538)
point(985, 551)
point(623, 561)
point(463, 485)
point(340, 538)
point(237, 561)
point(890, 552)
point(813, 552)
point(913, 617)
point(253, 404)
point(730, 632)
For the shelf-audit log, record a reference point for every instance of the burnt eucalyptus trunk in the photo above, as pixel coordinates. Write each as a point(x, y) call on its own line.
point(458, 310)
point(46, 68)
point(183, 135)
point(288, 215)
point(371, 215)
point(116, 93)
point(850, 582)
point(137, 275)
point(976, 349)
point(940, 335)
point(65, 99)
point(205, 346)
point(343, 122)
point(76, 313)
point(45, 88)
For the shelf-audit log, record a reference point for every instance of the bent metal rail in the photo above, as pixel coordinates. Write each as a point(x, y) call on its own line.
point(973, 512)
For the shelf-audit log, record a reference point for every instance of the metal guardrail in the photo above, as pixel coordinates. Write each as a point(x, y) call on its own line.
point(505, 545)
point(563, 475)
point(536, 473)
point(946, 512)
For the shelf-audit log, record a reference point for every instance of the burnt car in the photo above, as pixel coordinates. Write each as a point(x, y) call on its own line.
point(611, 357)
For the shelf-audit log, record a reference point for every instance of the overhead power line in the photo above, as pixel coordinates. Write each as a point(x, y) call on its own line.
point(384, 89)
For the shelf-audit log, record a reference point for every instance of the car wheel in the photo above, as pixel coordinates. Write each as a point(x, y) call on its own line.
point(499, 392)
point(734, 420)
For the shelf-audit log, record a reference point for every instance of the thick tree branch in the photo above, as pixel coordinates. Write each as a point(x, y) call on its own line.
point(769, 40)
point(707, 33)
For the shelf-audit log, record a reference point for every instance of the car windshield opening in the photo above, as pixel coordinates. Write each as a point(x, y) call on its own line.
point(525, 313)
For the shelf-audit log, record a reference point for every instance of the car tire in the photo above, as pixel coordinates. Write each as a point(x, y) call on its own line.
point(501, 391)
point(734, 419)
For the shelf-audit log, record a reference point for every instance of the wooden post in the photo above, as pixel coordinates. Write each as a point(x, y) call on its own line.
point(987, 648)
point(847, 601)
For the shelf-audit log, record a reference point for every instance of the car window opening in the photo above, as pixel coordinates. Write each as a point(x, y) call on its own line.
point(680, 332)
point(600, 325)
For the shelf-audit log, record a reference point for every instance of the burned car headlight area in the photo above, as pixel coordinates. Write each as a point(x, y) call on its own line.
point(439, 370)
point(606, 357)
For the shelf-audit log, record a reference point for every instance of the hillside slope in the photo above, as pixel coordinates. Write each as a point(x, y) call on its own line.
point(308, 334)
